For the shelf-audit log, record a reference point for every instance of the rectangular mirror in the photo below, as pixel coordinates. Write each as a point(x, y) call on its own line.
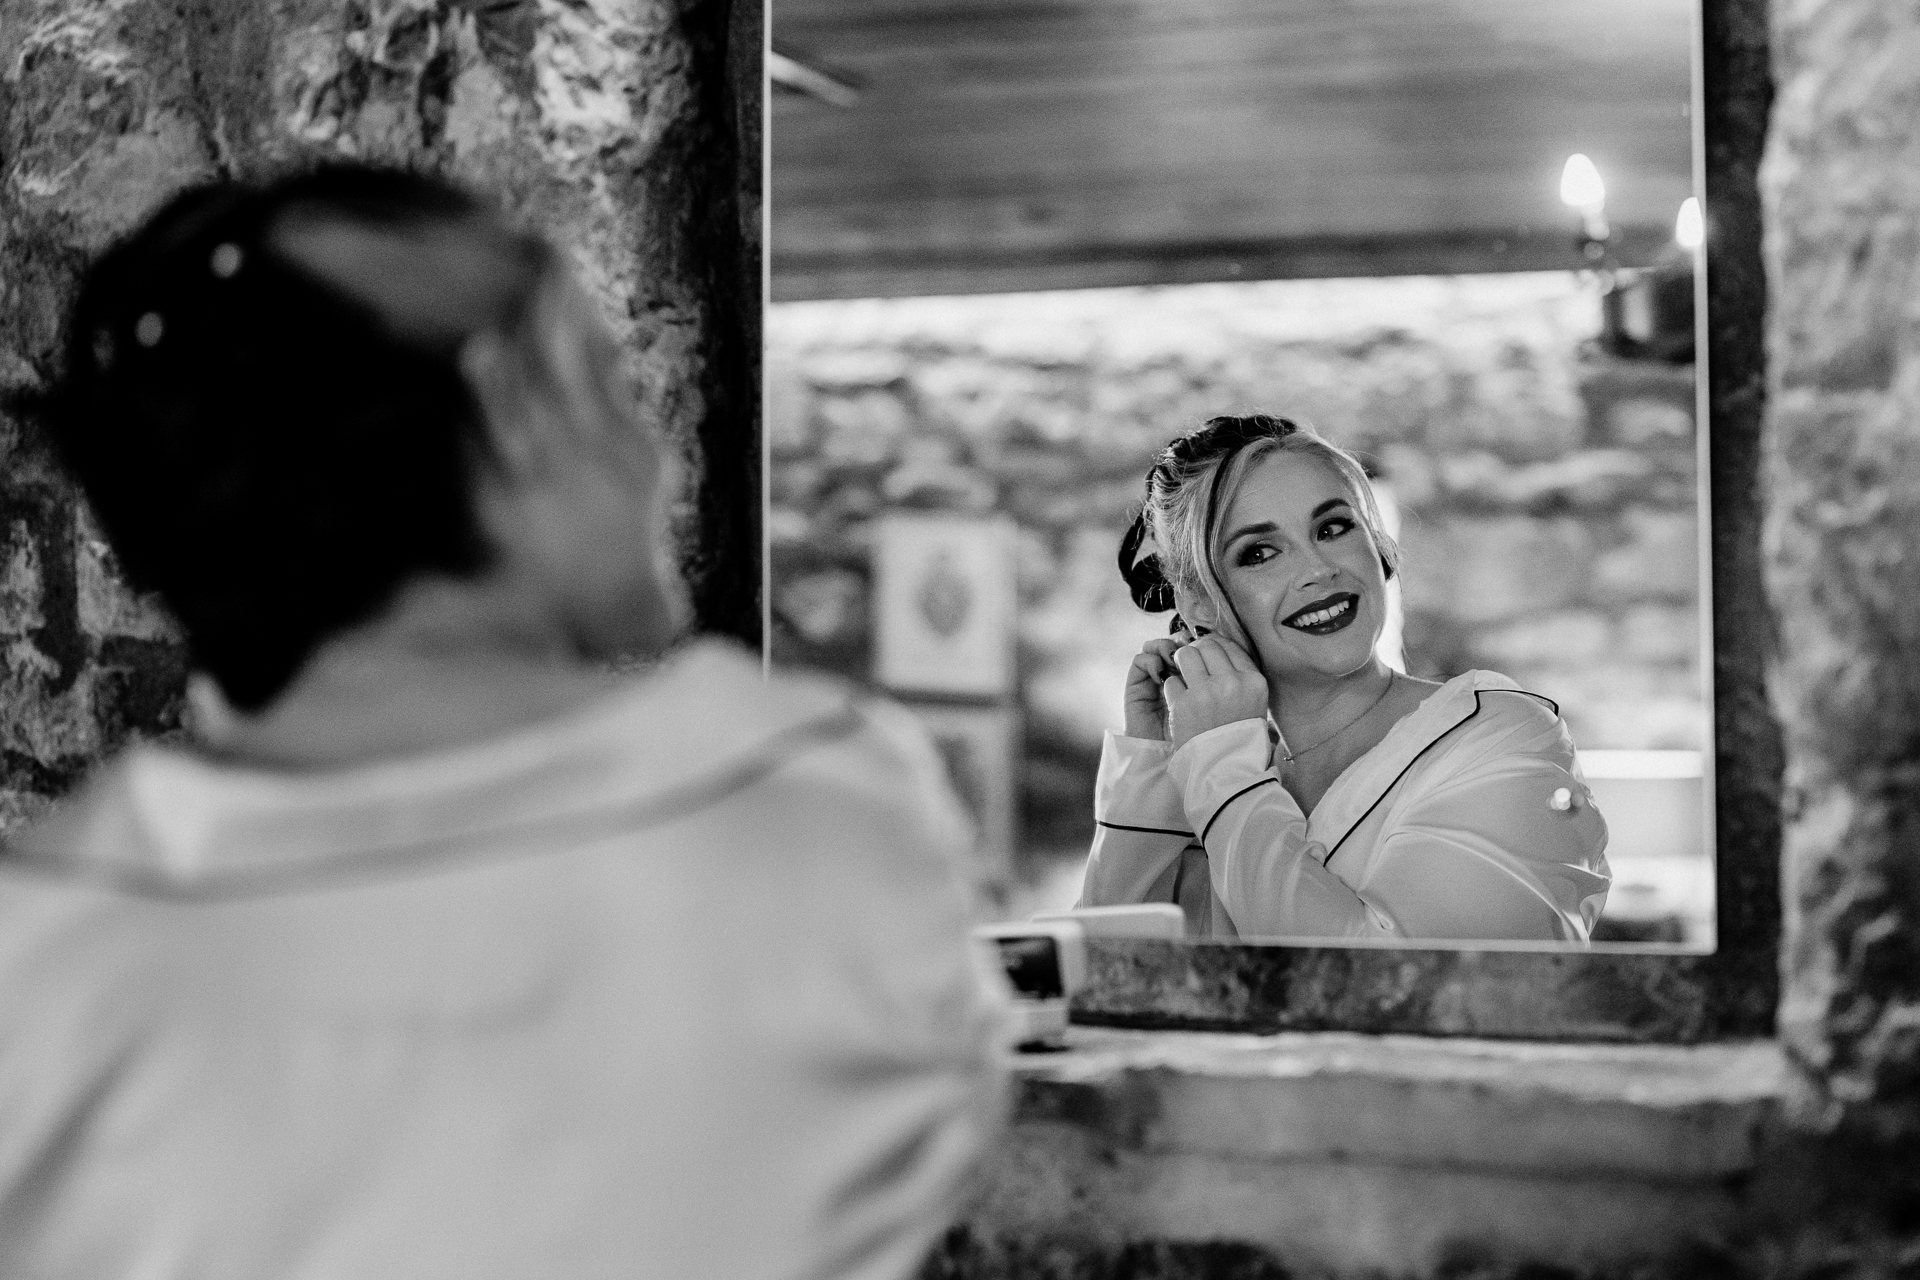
point(1018, 248)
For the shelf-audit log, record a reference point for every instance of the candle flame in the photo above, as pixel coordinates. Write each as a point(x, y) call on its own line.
point(1690, 228)
point(1580, 184)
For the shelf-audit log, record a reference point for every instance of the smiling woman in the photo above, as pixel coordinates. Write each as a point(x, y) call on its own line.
point(1277, 778)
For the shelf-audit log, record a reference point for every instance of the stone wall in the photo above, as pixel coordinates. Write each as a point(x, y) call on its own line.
point(1843, 253)
point(626, 131)
point(1546, 494)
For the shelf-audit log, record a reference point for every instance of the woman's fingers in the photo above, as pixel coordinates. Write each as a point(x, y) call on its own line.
point(1144, 701)
point(1192, 662)
point(1155, 656)
point(1215, 656)
point(1148, 666)
point(1216, 684)
point(1234, 655)
point(1162, 648)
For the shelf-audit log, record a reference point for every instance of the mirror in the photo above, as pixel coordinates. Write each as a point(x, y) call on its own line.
point(1018, 248)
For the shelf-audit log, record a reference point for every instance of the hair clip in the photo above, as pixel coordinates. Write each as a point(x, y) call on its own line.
point(1141, 568)
point(148, 329)
point(226, 260)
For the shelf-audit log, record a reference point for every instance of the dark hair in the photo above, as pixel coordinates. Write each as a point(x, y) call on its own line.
point(267, 450)
point(1189, 484)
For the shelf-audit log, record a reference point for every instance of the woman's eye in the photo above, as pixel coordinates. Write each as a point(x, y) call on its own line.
point(1255, 553)
point(1336, 527)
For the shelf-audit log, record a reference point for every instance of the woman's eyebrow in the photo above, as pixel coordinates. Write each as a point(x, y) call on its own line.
point(1268, 526)
point(1264, 526)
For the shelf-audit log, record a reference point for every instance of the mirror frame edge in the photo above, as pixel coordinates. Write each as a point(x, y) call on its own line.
point(1646, 996)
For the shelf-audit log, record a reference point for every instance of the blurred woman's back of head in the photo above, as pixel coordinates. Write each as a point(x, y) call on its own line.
point(269, 416)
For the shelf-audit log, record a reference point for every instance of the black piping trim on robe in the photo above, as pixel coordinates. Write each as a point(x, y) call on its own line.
point(1152, 831)
point(1229, 800)
point(428, 854)
point(1384, 791)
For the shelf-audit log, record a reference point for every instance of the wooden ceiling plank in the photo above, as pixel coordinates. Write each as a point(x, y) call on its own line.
point(987, 127)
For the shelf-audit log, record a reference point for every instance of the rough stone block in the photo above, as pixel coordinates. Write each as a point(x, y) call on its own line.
point(1617, 704)
point(1486, 570)
point(1410, 472)
point(796, 483)
point(939, 486)
point(1591, 480)
point(863, 369)
point(20, 586)
point(1036, 564)
point(1644, 421)
point(826, 607)
point(1842, 532)
point(936, 376)
point(1568, 638)
point(1664, 634)
point(50, 716)
point(21, 806)
point(1660, 559)
point(790, 426)
point(863, 430)
point(107, 606)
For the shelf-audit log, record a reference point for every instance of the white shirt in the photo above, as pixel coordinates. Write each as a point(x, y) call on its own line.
point(1447, 828)
point(677, 986)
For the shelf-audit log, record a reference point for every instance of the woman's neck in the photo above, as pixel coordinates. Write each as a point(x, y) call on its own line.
point(449, 664)
point(1329, 725)
point(1312, 709)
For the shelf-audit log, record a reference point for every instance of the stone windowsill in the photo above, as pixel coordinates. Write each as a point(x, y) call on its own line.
point(1353, 1152)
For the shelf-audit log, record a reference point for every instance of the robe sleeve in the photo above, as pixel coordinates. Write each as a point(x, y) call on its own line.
point(1482, 851)
point(1140, 826)
point(1472, 849)
point(1266, 872)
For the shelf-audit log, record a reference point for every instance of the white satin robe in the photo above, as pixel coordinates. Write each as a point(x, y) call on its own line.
point(1447, 829)
point(676, 985)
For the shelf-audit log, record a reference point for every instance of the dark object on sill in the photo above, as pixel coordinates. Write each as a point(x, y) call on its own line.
point(1658, 929)
point(1648, 315)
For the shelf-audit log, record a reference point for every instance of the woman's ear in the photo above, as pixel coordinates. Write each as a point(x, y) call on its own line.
point(490, 369)
point(1197, 610)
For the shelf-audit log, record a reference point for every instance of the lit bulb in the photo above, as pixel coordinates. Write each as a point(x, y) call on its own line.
point(1580, 184)
point(1689, 229)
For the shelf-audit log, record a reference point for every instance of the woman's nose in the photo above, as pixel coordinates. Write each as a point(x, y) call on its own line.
point(1315, 568)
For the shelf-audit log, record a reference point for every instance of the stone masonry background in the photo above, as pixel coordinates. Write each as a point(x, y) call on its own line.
point(1546, 492)
point(626, 131)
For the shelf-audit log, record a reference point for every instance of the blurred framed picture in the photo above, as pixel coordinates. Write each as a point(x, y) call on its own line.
point(944, 604)
point(977, 745)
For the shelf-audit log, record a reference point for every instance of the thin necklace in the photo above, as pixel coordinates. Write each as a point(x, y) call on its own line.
point(1349, 724)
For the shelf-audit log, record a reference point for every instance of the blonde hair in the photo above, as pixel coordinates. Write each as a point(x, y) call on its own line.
point(1196, 479)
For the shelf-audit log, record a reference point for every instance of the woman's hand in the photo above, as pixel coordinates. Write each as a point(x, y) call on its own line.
point(1146, 708)
point(1214, 683)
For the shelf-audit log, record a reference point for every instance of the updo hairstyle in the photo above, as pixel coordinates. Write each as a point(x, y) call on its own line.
point(1194, 480)
point(270, 452)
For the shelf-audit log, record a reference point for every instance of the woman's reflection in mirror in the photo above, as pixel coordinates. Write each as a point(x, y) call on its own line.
point(1276, 777)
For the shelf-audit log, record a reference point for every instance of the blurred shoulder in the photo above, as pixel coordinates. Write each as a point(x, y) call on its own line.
point(733, 678)
point(841, 736)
